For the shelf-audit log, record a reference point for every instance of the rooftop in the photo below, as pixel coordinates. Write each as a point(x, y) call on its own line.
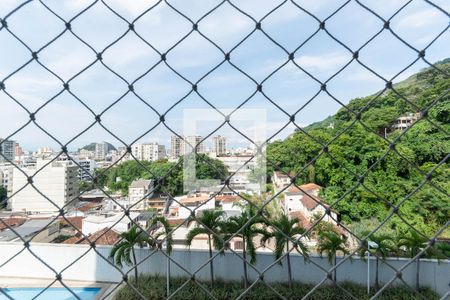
point(141, 183)
point(25, 230)
point(294, 190)
point(110, 217)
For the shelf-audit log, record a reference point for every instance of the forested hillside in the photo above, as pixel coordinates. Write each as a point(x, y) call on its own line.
point(358, 146)
point(119, 177)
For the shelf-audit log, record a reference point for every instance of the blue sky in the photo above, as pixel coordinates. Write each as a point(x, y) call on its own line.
point(418, 23)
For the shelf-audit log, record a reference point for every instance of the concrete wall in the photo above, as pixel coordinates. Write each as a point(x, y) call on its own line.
point(91, 267)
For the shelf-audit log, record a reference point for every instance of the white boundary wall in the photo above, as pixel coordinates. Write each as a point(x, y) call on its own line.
point(91, 267)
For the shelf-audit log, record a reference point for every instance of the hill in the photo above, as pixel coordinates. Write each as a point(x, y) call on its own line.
point(91, 147)
point(363, 176)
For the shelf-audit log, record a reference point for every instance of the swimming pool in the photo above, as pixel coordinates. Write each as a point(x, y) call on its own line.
point(87, 293)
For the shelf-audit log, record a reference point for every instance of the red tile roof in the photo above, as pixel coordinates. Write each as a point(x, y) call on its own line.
point(12, 222)
point(74, 221)
point(281, 174)
point(302, 219)
point(228, 199)
point(308, 188)
point(108, 237)
point(310, 202)
point(88, 206)
point(73, 240)
point(176, 222)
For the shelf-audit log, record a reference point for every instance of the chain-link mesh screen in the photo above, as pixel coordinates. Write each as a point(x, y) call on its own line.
point(167, 55)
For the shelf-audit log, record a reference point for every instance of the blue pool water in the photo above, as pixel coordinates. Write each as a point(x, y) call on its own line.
point(49, 294)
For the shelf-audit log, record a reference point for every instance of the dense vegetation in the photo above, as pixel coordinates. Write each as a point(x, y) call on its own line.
point(119, 177)
point(3, 195)
point(392, 177)
point(153, 287)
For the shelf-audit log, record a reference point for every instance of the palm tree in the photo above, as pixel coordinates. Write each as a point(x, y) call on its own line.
point(167, 235)
point(385, 246)
point(414, 243)
point(123, 252)
point(246, 226)
point(285, 230)
point(210, 221)
point(330, 242)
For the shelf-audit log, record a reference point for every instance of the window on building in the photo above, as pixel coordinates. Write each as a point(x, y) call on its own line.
point(238, 245)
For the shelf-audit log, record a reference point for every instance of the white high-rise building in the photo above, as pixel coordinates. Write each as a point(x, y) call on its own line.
point(193, 141)
point(7, 150)
point(176, 146)
point(101, 149)
point(149, 151)
point(6, 171)
point(86, 169)
point(220, 145)
point(57, 181)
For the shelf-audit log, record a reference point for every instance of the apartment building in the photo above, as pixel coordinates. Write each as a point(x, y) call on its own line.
point(219, 145)
point(192, 141)
point(6, 171)
point(149, 151)
point(87, 169)
point(138, 193)
point(241, 165)
point(176, 146)
point(56, 180)
point(101, 150)
point(7, 150)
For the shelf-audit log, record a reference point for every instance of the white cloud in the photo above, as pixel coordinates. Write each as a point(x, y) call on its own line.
point(324, 62)
point(134, 7)
point(423, 18)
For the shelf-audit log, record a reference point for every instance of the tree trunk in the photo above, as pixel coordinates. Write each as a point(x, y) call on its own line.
point(417, 274)
point(244, 254)
point(135, 265)
point(376, 273)
point(211, 266)
point(289, 265)
point(335, 270)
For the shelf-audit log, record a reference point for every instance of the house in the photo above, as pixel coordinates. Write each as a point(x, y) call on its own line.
point(405, 121)
point(114, 220)
point(144, 218)
point(182, 207)
point(280, 180)
point(104, 236)
point(139, 191)
point(305, 199)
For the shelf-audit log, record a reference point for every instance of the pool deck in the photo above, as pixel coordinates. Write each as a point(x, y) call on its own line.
point(14, 282)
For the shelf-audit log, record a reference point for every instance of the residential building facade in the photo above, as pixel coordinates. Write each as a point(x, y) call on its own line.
point(56, 180)
point(193, 142)
point(176, 146)
point(405, 121)
point(219, 145)
point(138, 193)
point(7, 150)
point(148, 152)
point(86, 169)
point(101, 150)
